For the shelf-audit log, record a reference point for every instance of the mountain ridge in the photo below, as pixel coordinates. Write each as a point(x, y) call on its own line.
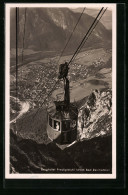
point(106, 20)
point(49, 29)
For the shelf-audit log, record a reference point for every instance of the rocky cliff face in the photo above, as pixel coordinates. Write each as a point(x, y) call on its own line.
point(95, 116)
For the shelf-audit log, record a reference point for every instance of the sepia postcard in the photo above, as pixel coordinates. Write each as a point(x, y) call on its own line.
point(60, 91)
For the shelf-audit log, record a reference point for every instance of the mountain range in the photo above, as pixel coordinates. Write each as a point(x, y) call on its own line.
point(106, 20)
point(48, 29)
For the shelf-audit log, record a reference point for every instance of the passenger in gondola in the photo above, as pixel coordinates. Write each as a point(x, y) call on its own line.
point(57, 126)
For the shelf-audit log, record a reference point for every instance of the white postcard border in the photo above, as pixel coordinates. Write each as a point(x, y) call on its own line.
point(7, 92)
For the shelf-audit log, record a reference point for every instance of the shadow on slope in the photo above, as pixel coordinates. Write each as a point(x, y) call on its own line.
point(93, 154)
point(29, 157)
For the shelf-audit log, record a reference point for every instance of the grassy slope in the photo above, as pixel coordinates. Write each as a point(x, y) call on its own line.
point(32, 125)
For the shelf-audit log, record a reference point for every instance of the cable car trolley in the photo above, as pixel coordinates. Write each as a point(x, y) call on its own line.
point(62, 115)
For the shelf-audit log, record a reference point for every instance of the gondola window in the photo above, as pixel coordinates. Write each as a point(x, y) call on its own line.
point(50, 121)
point(57, 125)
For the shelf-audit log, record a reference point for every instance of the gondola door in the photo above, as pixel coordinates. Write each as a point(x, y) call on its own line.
point(66, 133)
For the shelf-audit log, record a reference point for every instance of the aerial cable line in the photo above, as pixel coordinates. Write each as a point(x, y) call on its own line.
point(17, 32)
point(17, 22)
point(91, 31)
point(25, 18)
point(70, 60)
point(24, 33)
point(73, 55)
point(85, 36)
point(71, 34)
point(45, 99)
point(67, 41)
point(22, 53)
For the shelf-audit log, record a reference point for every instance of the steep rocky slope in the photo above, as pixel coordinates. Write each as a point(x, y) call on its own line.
point(95, 116)
point(87, 156)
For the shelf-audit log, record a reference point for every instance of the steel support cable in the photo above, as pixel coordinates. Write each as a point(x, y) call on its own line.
point(24, 39)
point(91, 32)
point(40, 94)
point(25, 18)
point(17, 32)
point(73, 55)
point(23, 43)
point(69, 62)
point(24, 34)
point(86, 35)
point(44, 101)
point(71, 34)
point(17, 24)
point(53, 88)
point(38, 88)
point(67, 41)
